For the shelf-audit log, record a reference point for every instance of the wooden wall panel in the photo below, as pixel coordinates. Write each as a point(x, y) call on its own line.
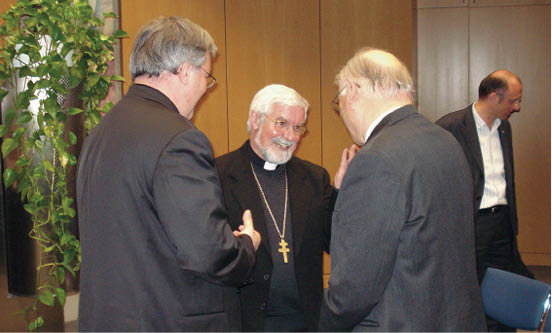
point(443, 61)
point(518, 38)
point(345, 27)
point(211, 115)
point(273, 42)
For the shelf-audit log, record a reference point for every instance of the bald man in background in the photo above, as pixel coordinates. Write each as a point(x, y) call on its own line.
point(483, 131)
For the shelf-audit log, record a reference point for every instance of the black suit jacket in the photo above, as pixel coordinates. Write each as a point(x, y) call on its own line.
point(311, 197)
point(402, 235)
point(157, 251)
point(462, 125)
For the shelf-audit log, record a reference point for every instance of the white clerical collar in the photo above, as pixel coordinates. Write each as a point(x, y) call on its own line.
point(377, 121)
point(270, 166)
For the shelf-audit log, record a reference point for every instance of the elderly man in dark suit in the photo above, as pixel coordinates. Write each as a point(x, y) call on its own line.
point(402, 237)
point(291, 200)
point(483, 131)
point(157, 251)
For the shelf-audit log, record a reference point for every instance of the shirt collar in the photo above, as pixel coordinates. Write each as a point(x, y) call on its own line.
point(480, 123)
point(376, 122)
point(258, 161)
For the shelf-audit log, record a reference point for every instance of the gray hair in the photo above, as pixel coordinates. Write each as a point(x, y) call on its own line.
point(275, 93)
point(381, 71)
point(166, 43)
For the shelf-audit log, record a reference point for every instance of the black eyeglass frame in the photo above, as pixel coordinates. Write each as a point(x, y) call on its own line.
point(214, 80)
point(335, 101)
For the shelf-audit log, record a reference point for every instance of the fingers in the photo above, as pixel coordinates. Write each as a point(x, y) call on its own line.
point(351, 152)
point(247, 228)
point(344, 156)
point(247, 220)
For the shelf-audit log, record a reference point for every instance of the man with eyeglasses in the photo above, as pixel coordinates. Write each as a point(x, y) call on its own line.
point(157, 251)
point(402, 233)
point(483, 131)
point(292, 203)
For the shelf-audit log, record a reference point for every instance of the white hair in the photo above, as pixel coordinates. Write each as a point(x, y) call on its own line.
point(380, 71)
point(275, 93)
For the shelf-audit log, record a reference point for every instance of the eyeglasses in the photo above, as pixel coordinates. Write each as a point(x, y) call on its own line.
point(283, 125)
point(209, 76)
point(335, 101)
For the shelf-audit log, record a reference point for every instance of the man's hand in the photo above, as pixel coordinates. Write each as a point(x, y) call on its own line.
point(248, 229)
point(346, 158)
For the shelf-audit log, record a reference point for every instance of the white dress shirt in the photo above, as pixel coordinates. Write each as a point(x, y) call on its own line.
point(494, 191)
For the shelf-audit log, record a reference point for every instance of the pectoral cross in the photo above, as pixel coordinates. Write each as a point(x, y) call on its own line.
point(283, 249)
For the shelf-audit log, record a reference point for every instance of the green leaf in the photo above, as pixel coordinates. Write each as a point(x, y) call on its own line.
point(8, 146)
point(3, 93)
point(72, 137)
point(63, 159)
point(9, 177)
point(120, 34)
point(29, 208)
point(66, 238)
point(116, 77)
point(60, 272)
point(48, 249)
point(10, 115)
point(56, 32)
point(60, 293)
point(72, 159)
point(74, 82)
point(24, 118)
point(70, 212)
point(18, 133)
point(73, 111)
point(69, 269)
point(3, 130)
point(49, 166)
point(38, 322)
point(47, 298)
point(110, 14)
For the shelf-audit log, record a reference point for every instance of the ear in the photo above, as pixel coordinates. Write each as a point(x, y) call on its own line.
point(255, 120)
point(495, 97)
point(184, 72)
point(353, 92)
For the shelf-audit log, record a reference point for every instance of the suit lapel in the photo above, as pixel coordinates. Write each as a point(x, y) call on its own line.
point(472, 139)
point(299, 202)
point(506, 151)
point(244, 188)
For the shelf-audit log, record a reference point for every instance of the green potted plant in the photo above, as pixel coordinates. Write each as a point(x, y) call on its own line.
point(50, 48)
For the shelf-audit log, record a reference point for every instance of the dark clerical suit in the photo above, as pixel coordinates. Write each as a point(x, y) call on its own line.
point(462, 125)
point(157, 251)
point(402, 239)
point(311, 198)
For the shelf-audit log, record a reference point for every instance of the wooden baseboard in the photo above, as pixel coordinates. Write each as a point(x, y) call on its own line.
point(536, 259)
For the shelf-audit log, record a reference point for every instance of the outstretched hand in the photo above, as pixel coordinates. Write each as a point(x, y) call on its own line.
point(346, 157)
point(248, 229)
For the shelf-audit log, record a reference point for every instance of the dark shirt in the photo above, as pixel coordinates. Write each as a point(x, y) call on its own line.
point(283, 312)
